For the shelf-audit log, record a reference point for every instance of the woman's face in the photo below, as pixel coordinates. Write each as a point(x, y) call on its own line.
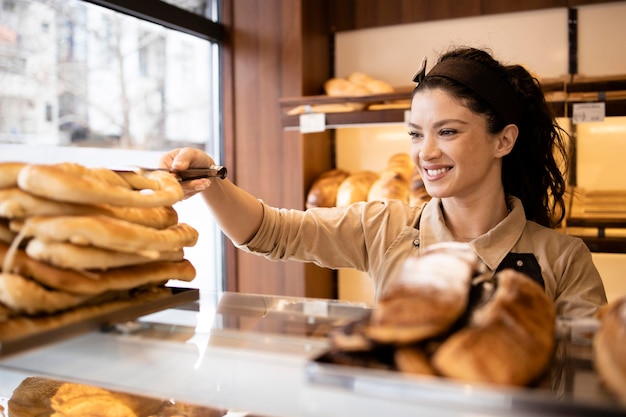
point(450, 144)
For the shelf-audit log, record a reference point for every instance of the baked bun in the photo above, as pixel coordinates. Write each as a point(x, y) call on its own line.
point(373, 85)
point(427, 297)
point(401, 164)
point(355, 187)
point(340, 87)
point(609, 347)
point(417, 191)
point(39, 397)
point(509, 340)
point(323, 191)
point(395, 180)
point(389, 186)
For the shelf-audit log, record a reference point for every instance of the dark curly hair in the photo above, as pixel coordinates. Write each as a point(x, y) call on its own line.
point(531, 171)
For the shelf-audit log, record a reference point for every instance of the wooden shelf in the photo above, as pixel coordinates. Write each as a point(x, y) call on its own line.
point(561, 94)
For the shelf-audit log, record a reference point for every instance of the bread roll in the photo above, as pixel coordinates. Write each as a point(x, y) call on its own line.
point(417, 192)
point(427, 297)
point(43, 397)
point(373, 85)
point(323, 191)
point(355, 187)
point(343, 88)
point(389, 186)
point(395, 179)
point(509, 340)
point(412, 360)
point(609, 347)
point(401, 164)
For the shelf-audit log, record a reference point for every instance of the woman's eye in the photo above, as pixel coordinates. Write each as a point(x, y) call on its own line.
point(447, 132)
point(415, 136)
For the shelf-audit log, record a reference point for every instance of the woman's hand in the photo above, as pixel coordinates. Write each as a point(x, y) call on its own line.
point(183, 158)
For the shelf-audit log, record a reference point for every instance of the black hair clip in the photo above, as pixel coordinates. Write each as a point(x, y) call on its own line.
point(421, 73)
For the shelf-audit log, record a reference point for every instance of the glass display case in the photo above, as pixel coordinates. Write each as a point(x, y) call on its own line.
point(260, 354)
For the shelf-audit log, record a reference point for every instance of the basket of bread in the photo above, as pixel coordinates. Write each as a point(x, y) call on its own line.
point(78, 241)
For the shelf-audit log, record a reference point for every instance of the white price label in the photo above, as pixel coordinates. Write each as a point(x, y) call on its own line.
point(588, 112)
point(312, 122)
point(315, 308)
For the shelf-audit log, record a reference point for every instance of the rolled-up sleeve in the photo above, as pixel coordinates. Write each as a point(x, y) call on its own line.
point(334, 237)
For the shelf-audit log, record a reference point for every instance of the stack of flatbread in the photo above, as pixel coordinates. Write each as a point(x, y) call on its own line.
point(63, 247)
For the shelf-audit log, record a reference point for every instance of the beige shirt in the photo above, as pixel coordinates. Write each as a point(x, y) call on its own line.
point(376, 237)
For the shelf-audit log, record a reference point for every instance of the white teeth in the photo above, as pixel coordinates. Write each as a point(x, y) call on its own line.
point(433, 172)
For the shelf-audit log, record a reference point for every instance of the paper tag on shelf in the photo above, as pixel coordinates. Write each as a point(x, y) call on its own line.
point(312, 122)
point(588, 112)
point(315, 308)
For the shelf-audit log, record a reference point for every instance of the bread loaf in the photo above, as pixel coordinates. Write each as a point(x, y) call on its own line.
point(609, 347)
point(427, 297)
point(395, 179)
point(509, 340)
point(417, 193)
point(43, 397)
point(373, 85)
point(323, 191)
point(355, 187)
point(340, 87)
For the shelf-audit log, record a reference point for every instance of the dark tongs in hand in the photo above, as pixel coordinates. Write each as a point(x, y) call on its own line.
point(214, 171)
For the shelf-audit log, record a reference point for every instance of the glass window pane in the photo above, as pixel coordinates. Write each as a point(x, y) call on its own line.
point(82, 83)
point(72, 73)
point(206, 8)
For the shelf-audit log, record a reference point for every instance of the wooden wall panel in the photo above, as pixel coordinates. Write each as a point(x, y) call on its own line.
point(362, 14)
point(276, 53)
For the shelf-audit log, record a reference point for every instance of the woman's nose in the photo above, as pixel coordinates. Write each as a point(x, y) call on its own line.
point(429, 149)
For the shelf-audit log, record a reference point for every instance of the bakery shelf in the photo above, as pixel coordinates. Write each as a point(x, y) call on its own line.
point(561, 94)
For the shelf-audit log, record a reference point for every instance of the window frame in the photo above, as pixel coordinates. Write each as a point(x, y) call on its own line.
point(167, 15)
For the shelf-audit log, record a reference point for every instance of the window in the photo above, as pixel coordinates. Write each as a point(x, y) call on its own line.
point(123, 80)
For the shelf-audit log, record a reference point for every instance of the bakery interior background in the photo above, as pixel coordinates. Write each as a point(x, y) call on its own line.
point(539, 39)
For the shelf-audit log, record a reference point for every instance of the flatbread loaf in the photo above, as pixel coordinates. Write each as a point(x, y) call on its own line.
point(9, 172)
point(93, 283)
point(17, 203)
point(6, 234)
point(20, 326)
point(75, 183)
point(108, 233)
point(23, 295)
point(67, 255)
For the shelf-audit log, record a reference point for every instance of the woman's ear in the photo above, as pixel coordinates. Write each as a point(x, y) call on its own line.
point(506, 140)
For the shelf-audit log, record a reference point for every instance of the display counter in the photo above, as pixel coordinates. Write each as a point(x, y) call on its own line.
point(257, 354)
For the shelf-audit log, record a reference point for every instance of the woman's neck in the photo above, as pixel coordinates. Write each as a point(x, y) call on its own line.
point(469, 220)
